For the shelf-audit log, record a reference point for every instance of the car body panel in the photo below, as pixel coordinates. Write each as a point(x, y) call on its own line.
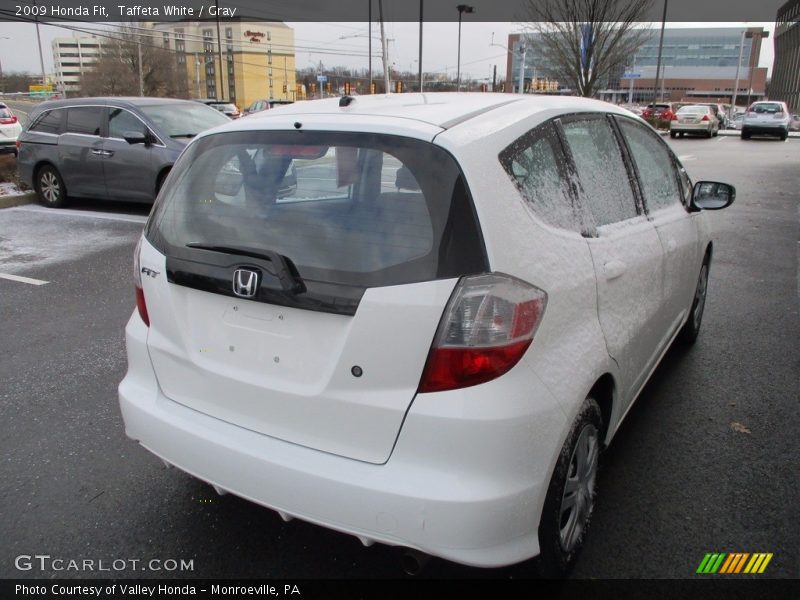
point(460, 474)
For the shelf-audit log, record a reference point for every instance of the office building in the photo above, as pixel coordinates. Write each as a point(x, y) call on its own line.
point(785, 83)
point(698, 64)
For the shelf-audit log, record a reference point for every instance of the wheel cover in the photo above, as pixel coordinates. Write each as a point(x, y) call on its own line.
point(578, 498)
point(51, 190)
point(700, 297)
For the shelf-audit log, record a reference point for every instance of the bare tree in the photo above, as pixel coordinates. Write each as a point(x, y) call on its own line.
point(116, 73)
point(584, 42)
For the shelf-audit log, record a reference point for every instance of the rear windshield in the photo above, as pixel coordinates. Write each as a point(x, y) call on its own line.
point(694, 109)
point(183, 120)
point(345, 208)
point(768, 107)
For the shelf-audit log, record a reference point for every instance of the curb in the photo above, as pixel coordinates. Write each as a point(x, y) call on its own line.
point(11, 201)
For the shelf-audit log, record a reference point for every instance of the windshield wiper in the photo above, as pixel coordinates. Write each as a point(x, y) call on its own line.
point(187, 135)
point(285, 269)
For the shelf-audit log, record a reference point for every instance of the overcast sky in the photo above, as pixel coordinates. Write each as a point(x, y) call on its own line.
point(345, 44)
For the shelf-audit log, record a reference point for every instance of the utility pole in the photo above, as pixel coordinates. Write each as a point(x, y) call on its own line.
point(369, 37)
point(39, 40)
point(494, 79)
point(462, 8)
point(523, 49)
point(420, 46)
point(630, 89)
point(738, 65)
point(660, 48)
point(197, 72)
point(141, 79)
point(221, 94)
point(384, 48)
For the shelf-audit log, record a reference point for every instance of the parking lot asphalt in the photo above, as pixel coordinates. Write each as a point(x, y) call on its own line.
point(706, 461)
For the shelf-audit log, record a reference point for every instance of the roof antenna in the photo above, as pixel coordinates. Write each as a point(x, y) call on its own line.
point(345, 101)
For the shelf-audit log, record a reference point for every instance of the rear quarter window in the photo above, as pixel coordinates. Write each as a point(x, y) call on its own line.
point(48, 122)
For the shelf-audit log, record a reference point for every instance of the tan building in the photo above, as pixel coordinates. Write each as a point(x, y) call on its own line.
point(257, 58)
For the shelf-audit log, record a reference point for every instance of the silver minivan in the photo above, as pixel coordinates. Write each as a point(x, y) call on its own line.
point(108, 148)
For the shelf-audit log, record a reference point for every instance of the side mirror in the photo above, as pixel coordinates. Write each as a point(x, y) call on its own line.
point(712, 195)
point(135, 137)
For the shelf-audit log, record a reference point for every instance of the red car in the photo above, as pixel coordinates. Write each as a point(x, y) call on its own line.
point(664, 111)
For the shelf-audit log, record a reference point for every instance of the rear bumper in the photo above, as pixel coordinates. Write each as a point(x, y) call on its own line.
point(8, 146)
point(691, 127)
point(765, 129)
point(466, 480)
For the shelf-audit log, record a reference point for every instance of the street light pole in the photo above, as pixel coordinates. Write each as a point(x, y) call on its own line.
point(462, 8)
point(660, 49)
point(523, 50)
point(420, 46)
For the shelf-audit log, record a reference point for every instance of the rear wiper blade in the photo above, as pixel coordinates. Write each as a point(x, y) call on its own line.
point(285, 269)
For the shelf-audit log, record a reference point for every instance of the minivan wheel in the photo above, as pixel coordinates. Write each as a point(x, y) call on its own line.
point(690, 331)
point(50, 187)
point(571, 494)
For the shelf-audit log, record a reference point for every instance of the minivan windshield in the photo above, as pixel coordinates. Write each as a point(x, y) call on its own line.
point(184, 119)
point(345, 208)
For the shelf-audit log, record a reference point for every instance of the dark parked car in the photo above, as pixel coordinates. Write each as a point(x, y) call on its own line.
point(229, 109)
point(260, 105)
point(110, 148)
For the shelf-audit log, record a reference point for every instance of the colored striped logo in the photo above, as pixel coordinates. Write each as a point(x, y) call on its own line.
point(734, 563)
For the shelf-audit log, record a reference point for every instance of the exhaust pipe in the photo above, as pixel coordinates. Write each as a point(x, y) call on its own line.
point(413, 562)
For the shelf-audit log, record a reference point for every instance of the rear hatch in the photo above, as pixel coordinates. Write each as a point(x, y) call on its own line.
point(304, 276)
point(766, 114)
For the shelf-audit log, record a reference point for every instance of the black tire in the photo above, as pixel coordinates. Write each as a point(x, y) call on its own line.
point(559, 544)
point(745, 135)
point(784, 135)
point(673, 134)
point(691, 329)
point(50, 187)
point(709, 134)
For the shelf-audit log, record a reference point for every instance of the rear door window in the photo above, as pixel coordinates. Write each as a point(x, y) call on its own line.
point(85, 120)
point(604, 181)
point(345, 208)
point(537, 166)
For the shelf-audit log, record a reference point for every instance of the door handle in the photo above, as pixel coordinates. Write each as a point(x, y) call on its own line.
point(108, 152)
point(97, 152)
point(614, 268)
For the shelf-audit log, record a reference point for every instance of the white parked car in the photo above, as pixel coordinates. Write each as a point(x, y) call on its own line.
point(10, 129)
point(694, 118)
point(427, 338)
point(771, 118)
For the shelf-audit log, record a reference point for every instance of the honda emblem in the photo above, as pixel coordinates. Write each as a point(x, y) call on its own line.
point(245, 283)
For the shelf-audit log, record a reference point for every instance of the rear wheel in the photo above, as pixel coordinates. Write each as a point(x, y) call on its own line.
point(784, 135)
point(50, 187)
point(690, 331)
point(673, 134)
point(571, 494)
point(745, 135)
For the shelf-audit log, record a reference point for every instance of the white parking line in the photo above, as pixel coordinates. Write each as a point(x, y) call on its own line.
point(82, 213)
point(23, 279)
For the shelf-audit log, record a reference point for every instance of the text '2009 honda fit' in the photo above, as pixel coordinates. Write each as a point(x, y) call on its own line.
point(416, 319)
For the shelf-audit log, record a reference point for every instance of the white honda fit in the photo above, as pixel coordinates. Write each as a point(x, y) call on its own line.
point(416, 319)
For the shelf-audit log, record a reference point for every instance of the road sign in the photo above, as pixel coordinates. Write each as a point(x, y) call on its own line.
point(322, 78)
point(631, 75)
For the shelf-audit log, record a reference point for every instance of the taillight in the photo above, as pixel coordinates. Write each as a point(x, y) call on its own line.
point(141, 305)
point(705, 118)
point(674, 118)
point(485, 330)
point(8, 120)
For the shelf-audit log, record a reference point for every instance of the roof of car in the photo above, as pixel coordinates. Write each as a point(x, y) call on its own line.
point(443, 109)
point(132, 101)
